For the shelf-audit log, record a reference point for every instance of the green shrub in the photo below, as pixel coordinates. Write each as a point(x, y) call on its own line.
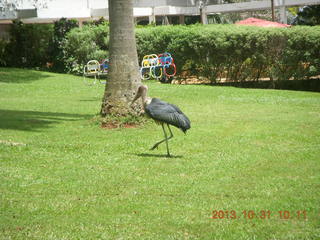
point(61, 28)
point(3, 55)
point(237, 53)
point(29, 45)
point(84, 44)
point(233, 52)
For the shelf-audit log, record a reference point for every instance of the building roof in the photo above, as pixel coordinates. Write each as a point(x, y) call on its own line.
point(261, 23)
point(91, 9)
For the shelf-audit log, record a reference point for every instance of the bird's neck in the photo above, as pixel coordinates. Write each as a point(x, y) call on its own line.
point(145, 100)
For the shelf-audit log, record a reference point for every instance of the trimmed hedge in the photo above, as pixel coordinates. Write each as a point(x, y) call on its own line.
point(237, 53)
point(232, 52)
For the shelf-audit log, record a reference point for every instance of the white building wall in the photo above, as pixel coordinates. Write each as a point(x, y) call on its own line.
point(86, 9)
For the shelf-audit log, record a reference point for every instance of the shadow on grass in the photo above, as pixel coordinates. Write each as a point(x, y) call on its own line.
point(157, 155)
point(34, 121)
point(93, 99)
point(16, 75)
point(312, 85)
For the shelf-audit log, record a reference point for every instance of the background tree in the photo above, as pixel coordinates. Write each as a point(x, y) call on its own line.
point(123, 78)
point(12, 5)
point(308, 15)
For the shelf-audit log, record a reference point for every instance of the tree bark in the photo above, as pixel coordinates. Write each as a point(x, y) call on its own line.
point(272, 10)
point(123, 77)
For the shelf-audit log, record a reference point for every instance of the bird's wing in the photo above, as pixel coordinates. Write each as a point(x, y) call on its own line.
point(168, 113)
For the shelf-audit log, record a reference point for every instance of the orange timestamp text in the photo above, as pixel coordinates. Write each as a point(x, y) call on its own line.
point(261, 214)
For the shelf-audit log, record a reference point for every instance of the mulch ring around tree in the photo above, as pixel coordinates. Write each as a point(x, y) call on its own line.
point(113, 125)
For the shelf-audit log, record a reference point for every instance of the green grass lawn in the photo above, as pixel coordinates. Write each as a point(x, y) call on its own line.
point(62, 176)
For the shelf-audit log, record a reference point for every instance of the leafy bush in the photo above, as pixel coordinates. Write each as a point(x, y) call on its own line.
point(61, 28)
point(237, 53)
point(84, 44)
point(308, 15)
point(29, 45)
point(3, 56)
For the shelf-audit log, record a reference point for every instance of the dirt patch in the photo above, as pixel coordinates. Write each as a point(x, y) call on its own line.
point(109, 125)
point(113, 125)
point(191, 80)
point(130, 125)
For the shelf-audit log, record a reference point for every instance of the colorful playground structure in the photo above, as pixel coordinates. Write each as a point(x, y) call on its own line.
point(157, 66)
point(95, 69)
point(160, 67)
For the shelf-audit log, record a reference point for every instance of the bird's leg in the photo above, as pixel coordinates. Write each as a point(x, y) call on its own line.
point(158, 143)
point(166, 139)
point(165, 135)
point(171, 135)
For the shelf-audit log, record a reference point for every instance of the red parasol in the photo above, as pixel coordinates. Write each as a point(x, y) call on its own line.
point(261, 23)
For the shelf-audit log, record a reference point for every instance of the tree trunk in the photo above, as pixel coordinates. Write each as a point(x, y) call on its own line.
point(272, 10)
point(123, 77)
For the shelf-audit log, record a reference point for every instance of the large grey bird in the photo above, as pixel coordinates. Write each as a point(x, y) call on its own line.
point(163, 113)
